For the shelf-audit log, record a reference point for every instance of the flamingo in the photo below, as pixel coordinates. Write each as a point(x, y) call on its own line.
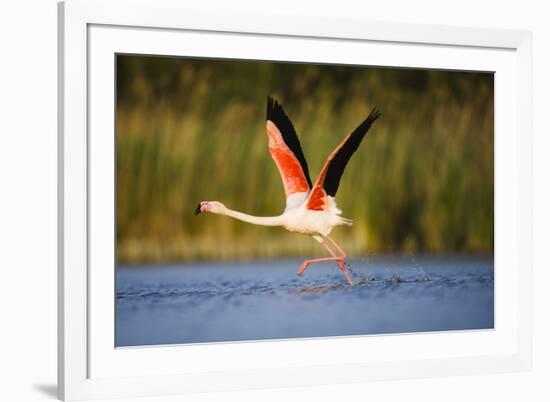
point(310, 208)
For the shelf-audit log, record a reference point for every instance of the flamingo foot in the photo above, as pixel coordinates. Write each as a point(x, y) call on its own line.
point(302, 268)
point(345, 271)
point(338, 258)
point(340, 262)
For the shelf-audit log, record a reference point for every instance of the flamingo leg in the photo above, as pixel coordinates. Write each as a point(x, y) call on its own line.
point(339, 259)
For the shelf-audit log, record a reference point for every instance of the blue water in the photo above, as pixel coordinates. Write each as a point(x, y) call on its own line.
point(216, 302)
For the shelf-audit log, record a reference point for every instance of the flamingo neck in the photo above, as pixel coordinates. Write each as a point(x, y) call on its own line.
point(256, 220)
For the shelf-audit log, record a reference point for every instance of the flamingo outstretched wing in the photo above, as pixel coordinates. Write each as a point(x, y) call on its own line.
point(285, 149)
point(326, 185)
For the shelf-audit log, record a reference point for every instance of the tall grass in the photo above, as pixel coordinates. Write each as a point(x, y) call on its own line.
point(191, 130)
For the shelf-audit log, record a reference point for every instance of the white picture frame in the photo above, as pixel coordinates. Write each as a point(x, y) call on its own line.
point(90, 367)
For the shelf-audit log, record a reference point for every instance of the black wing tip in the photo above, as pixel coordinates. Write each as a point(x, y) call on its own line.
point(274, 110)
point(362, 129)
point(374, 114)
point(277, 115)
point(269, 107)
point(338, 164)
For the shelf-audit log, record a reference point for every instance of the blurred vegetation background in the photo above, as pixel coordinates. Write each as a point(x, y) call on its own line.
point(194, 129)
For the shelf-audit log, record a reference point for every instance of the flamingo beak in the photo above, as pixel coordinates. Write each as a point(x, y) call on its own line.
point(198, 209)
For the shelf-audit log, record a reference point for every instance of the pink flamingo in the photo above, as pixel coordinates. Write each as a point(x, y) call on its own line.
point(310, 208)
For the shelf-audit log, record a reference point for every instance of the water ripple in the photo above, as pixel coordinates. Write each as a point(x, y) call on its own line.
point(312, 286)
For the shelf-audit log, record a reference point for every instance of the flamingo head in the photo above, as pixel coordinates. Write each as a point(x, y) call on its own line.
point(214, 207)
